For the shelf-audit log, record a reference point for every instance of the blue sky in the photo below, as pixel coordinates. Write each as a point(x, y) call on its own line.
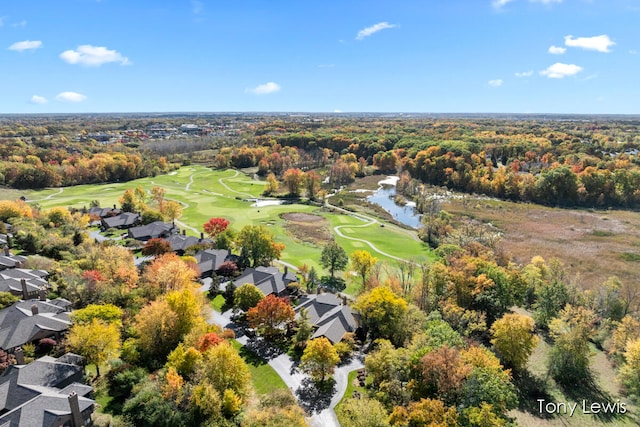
point(520, 56)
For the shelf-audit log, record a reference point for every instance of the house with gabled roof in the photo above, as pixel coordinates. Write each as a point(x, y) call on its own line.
point(9, 260)
point(270, 280)
point(210, 260)
point(329, 315)
point(99, 212)
point(124, 220)
point(31, 320)
point(154, 230)
point(181, 242)
point(47, 392)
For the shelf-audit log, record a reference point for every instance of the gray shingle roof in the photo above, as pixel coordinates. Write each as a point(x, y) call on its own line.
point(153, 230)
point(210, 260)
point(18, 324)
point(327, 313)
point(125, 219)
point(269, 280)
point(179, 242)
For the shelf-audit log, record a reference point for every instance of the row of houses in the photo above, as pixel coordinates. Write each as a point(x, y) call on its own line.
point(333, 318)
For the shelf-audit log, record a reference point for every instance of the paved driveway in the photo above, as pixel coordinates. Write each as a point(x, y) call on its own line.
point(295, 379)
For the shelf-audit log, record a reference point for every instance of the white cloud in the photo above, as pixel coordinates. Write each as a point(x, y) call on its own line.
point(495, 82)
point(633, 52)
point(497, 4)
point(373, 29)
point(525, 73)
point(25, 45)
point(20, 24)
point(337, 111)
point(93, 56)
point(600, 43)
point(557, 50)
point(37, 99)
point(70, 97)
point(546, 1)
point(265, 89)
point(560, 70)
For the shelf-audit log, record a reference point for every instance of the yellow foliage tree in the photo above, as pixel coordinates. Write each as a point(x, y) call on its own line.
point(514, 339)
point(319, 359)
point(97, 341)
point(362, 262)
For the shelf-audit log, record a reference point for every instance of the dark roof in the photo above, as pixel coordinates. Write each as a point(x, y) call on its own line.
point(37, 394)
point(126, 219)
point(18, 324)
point(269, 280)
point(153, 230)
point(23, 273)
point(179, 242)
point(327, 313)
point(210, 260)
point(7, 260)
point(104, 212)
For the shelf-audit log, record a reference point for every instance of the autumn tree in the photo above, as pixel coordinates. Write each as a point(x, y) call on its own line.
point(629, 374)
point(381, 311)
point(258, 244)
point(224, 369)
point(107, 313)
point(319, 359)
point(271, 186)
point(312, 184)
point(11, 209)
point(166, 273)
point(272, 316)
point(443, 373)
point(514, 339)
point(133, 200)
point(158, 194)
point(171, 210)
point(333, 257)
point(425, 412)
point(156, 328)
point(97, 341)
point(362, 262)
point(360, 412)
point(247, 296)
point(156, 246)
point(293, 178)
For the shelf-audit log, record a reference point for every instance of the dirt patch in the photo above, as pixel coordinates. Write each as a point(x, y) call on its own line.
point(307, 228)
point(302, 217)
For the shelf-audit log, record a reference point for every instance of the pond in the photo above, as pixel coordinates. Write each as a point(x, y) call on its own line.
point(384, 197)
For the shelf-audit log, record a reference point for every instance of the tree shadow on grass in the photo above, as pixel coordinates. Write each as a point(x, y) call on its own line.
point(264, 348)
point(315, 396)
point(250, 357)
point(589, 391)
point(530, 389)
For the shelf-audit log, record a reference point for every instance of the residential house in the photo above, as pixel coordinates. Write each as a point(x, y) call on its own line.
point(31, 320)
point(104, 212)
point(210, 260)
point(124, 220)
point(181, 242)
point(329, 315)
point(47, 392)
point(270, 280)
point(8, 260)
point(153, 230)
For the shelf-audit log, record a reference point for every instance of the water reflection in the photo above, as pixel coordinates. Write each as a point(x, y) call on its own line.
point(384, 197)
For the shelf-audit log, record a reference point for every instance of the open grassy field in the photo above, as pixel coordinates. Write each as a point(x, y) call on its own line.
point(592, 244)
point(205, 193)
point(263, 377)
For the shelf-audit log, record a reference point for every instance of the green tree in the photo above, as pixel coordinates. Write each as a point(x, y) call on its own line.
point(247, 296)
point(333, 257)
point(570, 356)
point(514, 339)
point(319, 359)
point(224, 369)
point(7, 299)
point(259, 245)
point(97, 341)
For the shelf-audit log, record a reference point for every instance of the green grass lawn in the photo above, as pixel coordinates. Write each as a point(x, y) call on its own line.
point(263, 377)
point(206, 193)
point(217, 303)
